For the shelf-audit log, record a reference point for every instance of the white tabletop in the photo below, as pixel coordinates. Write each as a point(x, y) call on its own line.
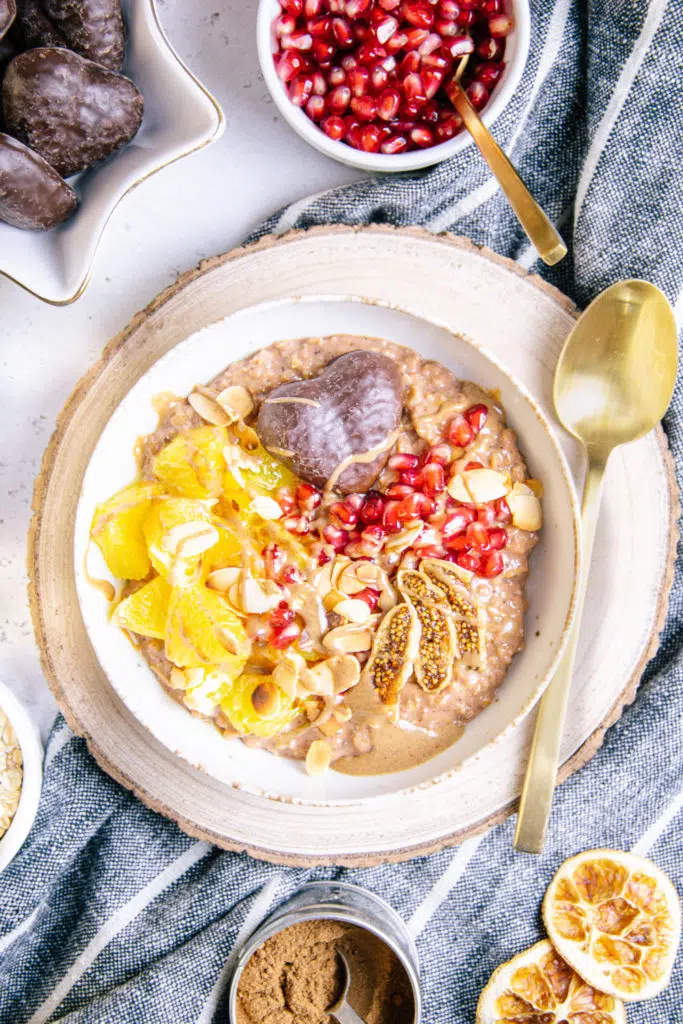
point(196, 208)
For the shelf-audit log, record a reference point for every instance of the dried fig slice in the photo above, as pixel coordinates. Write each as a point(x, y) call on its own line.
point(438, 644)
point(468, 615)
point(393, 653)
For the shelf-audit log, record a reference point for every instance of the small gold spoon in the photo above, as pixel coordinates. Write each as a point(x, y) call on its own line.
point(613, 384)
point(342, 1011)
point(540, 229)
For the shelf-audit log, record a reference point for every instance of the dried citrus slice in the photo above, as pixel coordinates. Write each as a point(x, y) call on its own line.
point(192, 464)
point(255, 705)
point(539, 987)
point(616, 918)
point(393, 652)
point(145, 611)
point(201, 630)
point(438, 646)
point(467, 612)
point(117, 529)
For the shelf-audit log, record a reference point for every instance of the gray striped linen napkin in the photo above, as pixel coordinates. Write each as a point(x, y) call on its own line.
point(110, 913)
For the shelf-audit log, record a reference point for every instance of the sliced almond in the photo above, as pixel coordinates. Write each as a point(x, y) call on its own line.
point(236, 402)
point(194, 546)
point(286, 673)
point(265, 507)
point(330, 727)
point(398, 542)
point(258, 596)
point(478, 486)
point(322, 580)
point(349, 639)
point(332, 598)
point(182, 532)
point(340, 563)
point(318, 680)
point(536, 486)
point(229, 640)
point(342, 713)
point(208, 409)
point(526, 511)
point(265, 699)
point(354, 610)
point(223, 579)
point(346, 672)
point(318, 757)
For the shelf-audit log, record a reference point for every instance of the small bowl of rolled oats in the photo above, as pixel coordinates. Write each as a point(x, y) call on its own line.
point(21, 755)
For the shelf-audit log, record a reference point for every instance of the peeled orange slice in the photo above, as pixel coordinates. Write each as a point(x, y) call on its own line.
point(160, 529)
point(539, 987)
point(616, 918)
point(145, 611)
point(256, 706)
point(117, 529)
point(202, 630)
point(192, 464)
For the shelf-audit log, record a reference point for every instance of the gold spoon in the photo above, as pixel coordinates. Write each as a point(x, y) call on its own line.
point(540, 229)
point(613, 384)
point(342, 1010)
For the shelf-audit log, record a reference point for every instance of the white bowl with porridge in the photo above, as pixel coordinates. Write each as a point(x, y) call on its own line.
point(343, 543)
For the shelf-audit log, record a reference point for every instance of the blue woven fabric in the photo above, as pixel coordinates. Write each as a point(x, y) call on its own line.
point(110, 913)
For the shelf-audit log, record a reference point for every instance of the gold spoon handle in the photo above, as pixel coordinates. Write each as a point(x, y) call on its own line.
point(541, 772)
point(540, 229)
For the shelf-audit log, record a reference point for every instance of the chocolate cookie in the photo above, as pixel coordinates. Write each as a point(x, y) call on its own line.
point(92, 28)
point(8, 12)
point(32, 194)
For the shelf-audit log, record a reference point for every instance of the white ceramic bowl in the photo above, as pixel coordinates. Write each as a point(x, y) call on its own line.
point(32, 756)
point(552, 582)
point(516, 52)
point(180, 117)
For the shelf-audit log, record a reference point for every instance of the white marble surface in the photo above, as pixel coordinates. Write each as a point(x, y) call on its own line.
point(196, 208)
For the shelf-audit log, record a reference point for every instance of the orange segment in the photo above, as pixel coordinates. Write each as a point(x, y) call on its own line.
point(192, 464)
point(616, 919)
point(117, 529)
point(254, 705)
point(202, 630)
point(539, 987)
point(164, 515)
point(145, 611)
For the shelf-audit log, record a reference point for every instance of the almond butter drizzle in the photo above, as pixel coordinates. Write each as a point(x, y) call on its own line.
point(361, 457)
point(292, 401)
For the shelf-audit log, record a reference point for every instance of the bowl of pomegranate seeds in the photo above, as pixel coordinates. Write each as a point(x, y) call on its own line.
point(363, 80)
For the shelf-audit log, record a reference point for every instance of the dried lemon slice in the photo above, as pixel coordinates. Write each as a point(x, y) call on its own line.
point(438, 646)
point(393, 653)
point(616, 919)
point(468, 615)
point(539, 987)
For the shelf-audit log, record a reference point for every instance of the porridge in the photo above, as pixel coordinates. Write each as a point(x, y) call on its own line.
point(326, 552)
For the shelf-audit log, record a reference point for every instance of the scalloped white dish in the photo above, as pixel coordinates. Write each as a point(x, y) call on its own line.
point(551, 586)
point(180, 118)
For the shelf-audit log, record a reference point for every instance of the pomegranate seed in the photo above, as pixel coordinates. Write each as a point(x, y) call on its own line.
point(365, 108)
point(486, 515)
point(338, 100)
point(477, 94)
point(341, 30)
point(389, 5)
point(353, 130)
point(370, 53)
point(370, 137)
point(312, 8)
point(489, 6)
point(446, 28)
point(477, 536)
point(323, 52)
point(354, 501)
point(281, 616)
point(490, 49)
point(335, 536)
point(422, 137)
point(498, 538)
point(440, 453)
point(449, 9)
point(474, 465)
point(295, 7)
point(284, 25)
point(433, 80)
point(491, 565)
point(300, 91)
point(390, 520)
point(503, 513)
point(420, 15)
point(476, 416)
point(371, 541)
point(431, 551)
point(297, 41)
point(308, 497)
point(372, 508)
point(455, 523)
point(460, 432)
point(370, 596)
point(273, 559)
point(385, 28)
point(379, 77)
point(434, 479)
point(488, 74)
point(413, 88)
point(500, 25)
point(333, 126)
point(336, 76)
point(415, 506)
point(336, 6)
point(348, 62)
point(436, 62)
point(319, 83)
point(448, 127)
point(398, 491)
point(412, 477)
point(358, 80)
point(466, 560)
point(410, 64)
point(388, 105)
point(429, 114)
point(285, 500)
point(458, 46)
point(346, 517)
point(458, 544)
point(468, 5)
point(396, 43)
point(319, 27)
point(289, 66)
point(356, 8)
point(290, 574)
point(394, 144)
point(465, 19)
point(415, 37)
point(431, 43)
point(285, 637)
point(296, 524)
point(315, 108)
point(402, 461)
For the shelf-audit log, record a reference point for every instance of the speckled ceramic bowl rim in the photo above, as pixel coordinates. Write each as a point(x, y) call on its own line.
point(32, 757)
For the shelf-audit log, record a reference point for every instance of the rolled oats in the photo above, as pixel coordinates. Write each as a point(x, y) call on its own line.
point(11, 773)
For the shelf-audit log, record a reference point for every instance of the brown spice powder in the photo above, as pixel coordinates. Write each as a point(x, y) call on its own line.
point(296, 975)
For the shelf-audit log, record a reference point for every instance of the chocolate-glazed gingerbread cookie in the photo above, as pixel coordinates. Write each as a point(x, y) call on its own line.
point(34, 28)
point(92, 28)
point(32, 194)
point(8, 12)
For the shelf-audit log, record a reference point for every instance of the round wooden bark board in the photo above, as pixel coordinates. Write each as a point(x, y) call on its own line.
point(444, 279)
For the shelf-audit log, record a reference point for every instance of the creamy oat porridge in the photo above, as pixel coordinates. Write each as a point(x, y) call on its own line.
point(326, 552)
